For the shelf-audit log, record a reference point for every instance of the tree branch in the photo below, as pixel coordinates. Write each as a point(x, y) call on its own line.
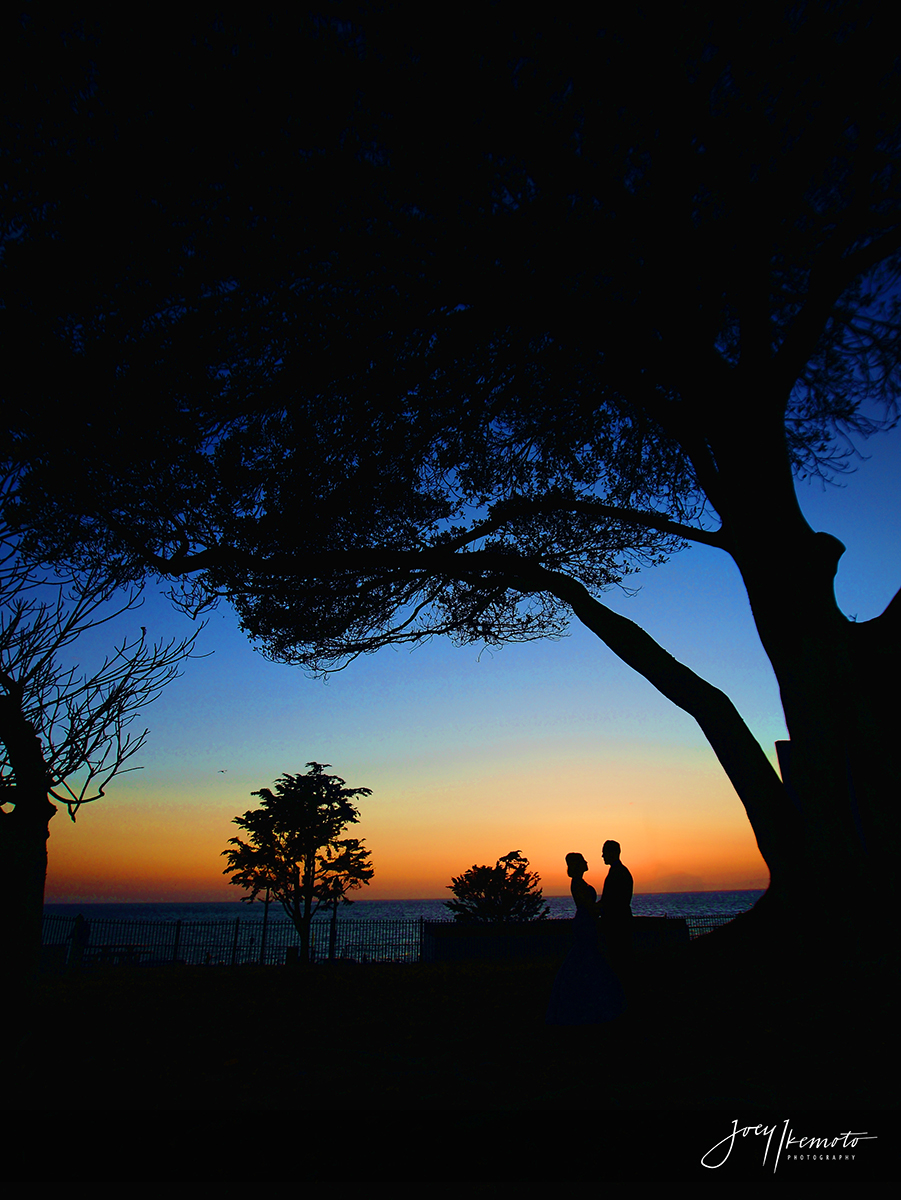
point(79, 721)
point(750, 772)
point(520, 506)
point(830, 276)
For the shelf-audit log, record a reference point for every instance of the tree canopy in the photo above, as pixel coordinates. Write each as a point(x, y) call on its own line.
point(535, 319)
point(441, 360)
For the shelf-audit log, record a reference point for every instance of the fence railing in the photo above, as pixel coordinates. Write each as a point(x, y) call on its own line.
point(229, 943)
point(700, 923)
point(72, 941)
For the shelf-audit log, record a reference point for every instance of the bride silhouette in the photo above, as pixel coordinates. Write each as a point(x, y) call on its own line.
point(586, 991)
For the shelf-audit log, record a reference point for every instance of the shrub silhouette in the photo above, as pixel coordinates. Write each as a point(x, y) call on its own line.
point(508, 891)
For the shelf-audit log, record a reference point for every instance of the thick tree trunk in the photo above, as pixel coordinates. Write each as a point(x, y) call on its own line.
point(23, 863)
point(836, 684)
point(828, 831)
point(23, 845)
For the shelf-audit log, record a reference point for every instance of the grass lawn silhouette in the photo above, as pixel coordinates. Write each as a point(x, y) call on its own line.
point(698, 1033)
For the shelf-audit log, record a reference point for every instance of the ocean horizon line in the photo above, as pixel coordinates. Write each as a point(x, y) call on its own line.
point(431, 908)
point(386, 899)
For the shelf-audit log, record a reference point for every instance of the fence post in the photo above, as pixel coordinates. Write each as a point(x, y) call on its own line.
point(265, 923)
point(333, 930)
point(177, 941)
point(81, 935)
point(235, 942)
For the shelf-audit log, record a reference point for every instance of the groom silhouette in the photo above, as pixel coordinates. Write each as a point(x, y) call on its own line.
point(615, 906)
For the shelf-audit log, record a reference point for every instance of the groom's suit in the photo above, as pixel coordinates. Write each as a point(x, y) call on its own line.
point(616, 912)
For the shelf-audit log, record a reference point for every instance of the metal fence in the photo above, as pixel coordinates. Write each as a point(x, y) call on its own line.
point(223, 943)
point(699, 923)
point(72, 941)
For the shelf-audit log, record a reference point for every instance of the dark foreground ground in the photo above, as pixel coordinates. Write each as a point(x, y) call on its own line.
point(699, 1034)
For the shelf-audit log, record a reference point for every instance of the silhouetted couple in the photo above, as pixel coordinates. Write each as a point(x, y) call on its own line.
point(587, 990)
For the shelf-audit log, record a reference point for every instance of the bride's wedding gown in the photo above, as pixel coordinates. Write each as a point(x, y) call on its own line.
point(586, 991)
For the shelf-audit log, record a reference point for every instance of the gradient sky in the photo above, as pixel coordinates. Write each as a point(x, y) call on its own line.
point(545, 748)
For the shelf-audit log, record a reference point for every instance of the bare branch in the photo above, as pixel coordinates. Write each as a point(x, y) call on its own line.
point(830, 277)
point(81, 718)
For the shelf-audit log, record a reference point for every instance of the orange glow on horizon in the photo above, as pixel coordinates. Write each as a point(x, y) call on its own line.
point(680, 825)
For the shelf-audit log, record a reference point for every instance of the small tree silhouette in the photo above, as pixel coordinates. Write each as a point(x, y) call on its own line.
point(508, 891)
point(295, 851)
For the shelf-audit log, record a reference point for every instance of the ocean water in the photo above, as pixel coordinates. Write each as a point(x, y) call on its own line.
point(656, 904)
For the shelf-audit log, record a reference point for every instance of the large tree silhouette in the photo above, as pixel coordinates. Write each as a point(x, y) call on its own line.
point(432, 359)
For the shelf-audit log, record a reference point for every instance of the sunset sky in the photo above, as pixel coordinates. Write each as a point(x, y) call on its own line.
point(544, 748)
